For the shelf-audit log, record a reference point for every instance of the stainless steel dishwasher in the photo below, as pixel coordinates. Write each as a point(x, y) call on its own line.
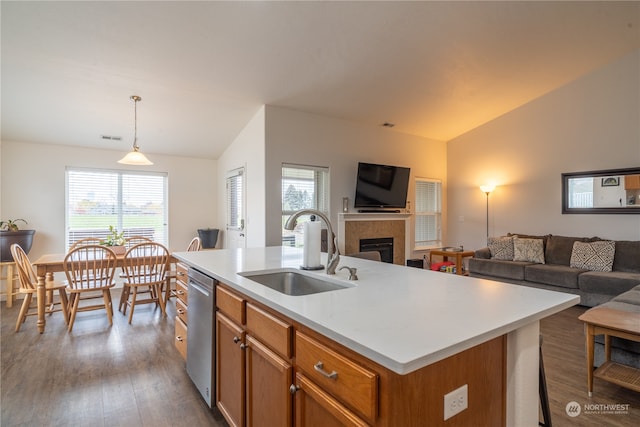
point(200, 334)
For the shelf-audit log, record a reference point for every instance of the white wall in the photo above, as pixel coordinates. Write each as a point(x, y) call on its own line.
point(33, 187)
point(309, 139)
point(248, 151)
point(592, 123)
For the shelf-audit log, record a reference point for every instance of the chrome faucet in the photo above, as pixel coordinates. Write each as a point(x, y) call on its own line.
point(333, 254)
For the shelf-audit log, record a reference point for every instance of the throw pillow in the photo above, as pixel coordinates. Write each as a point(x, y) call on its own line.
point(594, 256)
point(531, 250)
point(501, 248)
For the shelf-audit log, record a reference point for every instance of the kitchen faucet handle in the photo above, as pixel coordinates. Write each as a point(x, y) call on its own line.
point(352, 272)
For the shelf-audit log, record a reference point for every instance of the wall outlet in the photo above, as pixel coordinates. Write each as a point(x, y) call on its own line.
point(456, 401)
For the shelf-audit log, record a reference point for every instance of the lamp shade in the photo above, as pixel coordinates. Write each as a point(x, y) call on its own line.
point(135, 158)
point(487, 188)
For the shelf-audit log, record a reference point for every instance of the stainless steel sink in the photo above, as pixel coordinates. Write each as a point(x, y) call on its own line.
point(293, 282)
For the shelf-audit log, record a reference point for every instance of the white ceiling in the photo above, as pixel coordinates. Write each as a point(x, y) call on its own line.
point(435, 69)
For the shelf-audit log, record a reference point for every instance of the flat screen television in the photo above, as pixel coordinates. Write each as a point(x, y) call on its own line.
point(381, 186)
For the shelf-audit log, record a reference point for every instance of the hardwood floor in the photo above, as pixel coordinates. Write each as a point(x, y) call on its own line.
point(566, 372)
point(124, 375)
point(131, 375)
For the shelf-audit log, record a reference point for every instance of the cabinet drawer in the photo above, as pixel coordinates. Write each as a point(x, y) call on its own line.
point(230, 304)
point(181, 338)
point(272, 331)
point(182, 292)
point(182, 272)
point(347, 381)
point(181, 311)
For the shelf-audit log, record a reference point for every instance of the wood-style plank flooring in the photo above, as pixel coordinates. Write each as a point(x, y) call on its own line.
point(131, 375)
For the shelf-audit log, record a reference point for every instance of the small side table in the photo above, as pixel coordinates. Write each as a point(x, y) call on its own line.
point(458, 255)
point(9, 289)
point(611, 323)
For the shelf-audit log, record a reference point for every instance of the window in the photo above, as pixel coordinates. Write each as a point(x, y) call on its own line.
point(235, 199)
point(133, 202)
point(428, 213)
point(303, 187)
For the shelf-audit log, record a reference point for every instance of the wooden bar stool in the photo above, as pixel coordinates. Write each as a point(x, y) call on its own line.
point(10, 288)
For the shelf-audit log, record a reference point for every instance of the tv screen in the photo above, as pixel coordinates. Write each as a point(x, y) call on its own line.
point(381, 186)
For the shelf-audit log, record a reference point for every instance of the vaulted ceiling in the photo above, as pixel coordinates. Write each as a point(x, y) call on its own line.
point(203, 69)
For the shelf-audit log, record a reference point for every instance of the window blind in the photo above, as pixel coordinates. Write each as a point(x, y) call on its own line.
point(428, 213)
point(235, 196)
point(133, 202)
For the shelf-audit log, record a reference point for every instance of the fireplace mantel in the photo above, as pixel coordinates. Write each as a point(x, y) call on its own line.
point(344, 236)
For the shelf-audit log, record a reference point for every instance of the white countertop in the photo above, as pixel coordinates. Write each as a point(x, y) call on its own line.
point(403, 318)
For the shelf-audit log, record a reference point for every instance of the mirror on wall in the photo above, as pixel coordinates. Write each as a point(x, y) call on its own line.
point(613, 191)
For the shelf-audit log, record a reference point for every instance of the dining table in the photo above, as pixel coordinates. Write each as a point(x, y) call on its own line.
point(48, 264)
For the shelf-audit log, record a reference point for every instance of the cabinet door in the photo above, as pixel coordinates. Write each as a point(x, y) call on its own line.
point(316, 408)
point(631, 182)
point(230, 371)
point(269, 401)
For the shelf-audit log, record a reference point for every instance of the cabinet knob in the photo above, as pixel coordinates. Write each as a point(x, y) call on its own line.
point(180, 311)
point(179, 338)
point(236, 340)
point(243, 346)
point(293, 389)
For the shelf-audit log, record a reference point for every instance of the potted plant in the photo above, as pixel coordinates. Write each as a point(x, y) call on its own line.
point(115, 240)
point(10, 233)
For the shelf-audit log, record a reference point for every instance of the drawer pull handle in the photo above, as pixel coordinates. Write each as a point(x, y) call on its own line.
point(320, 368)
point(180, 292)
point(180, 311)
point(179, 338)
point(180, 273)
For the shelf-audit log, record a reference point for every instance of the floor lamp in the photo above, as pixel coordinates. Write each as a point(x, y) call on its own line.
point(487, 189)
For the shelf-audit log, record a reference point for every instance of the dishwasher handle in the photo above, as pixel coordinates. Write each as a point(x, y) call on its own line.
point(196, 286)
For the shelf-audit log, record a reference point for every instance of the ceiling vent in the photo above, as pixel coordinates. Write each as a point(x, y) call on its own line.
point(110, 138)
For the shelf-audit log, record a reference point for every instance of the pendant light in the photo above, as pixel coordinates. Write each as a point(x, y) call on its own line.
point(135, 157)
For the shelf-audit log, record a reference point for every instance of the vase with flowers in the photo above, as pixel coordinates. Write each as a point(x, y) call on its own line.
point(115, 240)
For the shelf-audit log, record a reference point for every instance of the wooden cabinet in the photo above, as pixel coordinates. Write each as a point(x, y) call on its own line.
point(230, 370)
point(274, 371)
point(181, 309)
point(253, 368)
point(340, 377)
point(632, 182)
point(317, 408)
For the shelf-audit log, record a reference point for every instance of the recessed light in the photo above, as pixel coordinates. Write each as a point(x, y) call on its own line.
point(388, 125)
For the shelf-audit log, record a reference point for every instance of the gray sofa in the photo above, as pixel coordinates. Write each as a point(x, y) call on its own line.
point(593, 287)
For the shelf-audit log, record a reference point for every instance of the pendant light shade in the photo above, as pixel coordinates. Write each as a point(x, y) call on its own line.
point(135, 157)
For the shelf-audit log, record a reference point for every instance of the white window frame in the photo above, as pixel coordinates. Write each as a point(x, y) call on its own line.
point(428, 237)
point(158, 233)
point(235, 199)
point(320, 198)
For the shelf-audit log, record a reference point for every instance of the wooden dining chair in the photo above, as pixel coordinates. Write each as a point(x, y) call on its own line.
point(85, 242)
point(28, 281)
point(170, 290)
point(131, 241)
point(145, 267)
point(90, 271)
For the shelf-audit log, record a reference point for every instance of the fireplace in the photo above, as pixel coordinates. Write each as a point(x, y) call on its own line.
point(382, 245)
point(354, 227)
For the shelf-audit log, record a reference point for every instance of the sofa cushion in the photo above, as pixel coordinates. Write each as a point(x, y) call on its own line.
point(501, 248)
point(595, 256)
point(531, 236)
point(609, 283)
point(559, 248)
point(627, 257)
point(555, 275)
point(528, 250)
point(513, 270)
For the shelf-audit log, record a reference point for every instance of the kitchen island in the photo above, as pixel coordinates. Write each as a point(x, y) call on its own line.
point(404, 320)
